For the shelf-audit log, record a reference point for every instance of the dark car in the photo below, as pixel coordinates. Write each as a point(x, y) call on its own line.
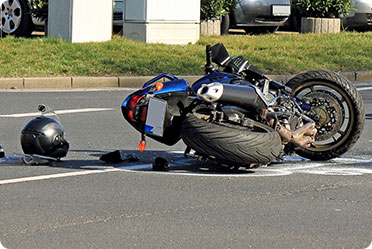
point(16, 19)
point(257, 15)
point(359, 18)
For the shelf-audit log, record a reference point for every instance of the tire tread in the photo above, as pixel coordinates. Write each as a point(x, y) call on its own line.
point(235, 146)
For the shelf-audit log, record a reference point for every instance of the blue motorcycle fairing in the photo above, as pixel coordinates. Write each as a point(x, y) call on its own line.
point(160, 76)
point(173, 91)
point(214, 77)
point(175, 85)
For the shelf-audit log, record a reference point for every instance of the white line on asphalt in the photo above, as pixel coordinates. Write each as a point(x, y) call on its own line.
point(144, 168)
point(335, 167)
point(109, 89)
point(71, 111)
point(310, 168)
point(54, 176)
point(364, 88)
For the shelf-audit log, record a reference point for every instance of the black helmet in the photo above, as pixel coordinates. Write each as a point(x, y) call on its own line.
point(44, 136)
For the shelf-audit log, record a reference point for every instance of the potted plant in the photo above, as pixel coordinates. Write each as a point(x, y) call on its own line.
point(211, 12)
point(322, 16)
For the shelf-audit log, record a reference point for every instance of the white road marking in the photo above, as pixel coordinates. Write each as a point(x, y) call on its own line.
point(1, 246)
point(71, 111)
point(54, 176)
point(147, 168)
point(335, 167)
point(108, 89)
point(370, 246)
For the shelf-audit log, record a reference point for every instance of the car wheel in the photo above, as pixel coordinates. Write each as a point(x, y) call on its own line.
point(295, 20)
point(16, 18)
point(225, 25)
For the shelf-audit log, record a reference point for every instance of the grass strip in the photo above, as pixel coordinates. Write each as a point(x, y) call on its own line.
point(272, 53)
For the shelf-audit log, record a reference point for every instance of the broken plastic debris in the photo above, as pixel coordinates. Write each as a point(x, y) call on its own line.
point(160, 164)
point(117, 157)
point(2, 153)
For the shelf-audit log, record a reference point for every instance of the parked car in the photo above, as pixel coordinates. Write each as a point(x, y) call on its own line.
point(360, 17)
point(118, 15)
point(257, 15)
point(16, 19)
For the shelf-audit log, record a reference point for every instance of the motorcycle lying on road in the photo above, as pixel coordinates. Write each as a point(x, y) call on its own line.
point(237, 117)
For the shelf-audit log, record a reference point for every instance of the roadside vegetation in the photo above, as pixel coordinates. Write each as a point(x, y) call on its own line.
point(273, 54)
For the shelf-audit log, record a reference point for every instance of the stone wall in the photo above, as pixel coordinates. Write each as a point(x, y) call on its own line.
point(320, 25)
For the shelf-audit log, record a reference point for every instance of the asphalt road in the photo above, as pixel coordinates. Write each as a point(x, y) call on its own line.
point(85, 203)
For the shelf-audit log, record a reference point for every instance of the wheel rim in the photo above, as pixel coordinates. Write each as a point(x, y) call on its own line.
point(11, 14)
point(332, 110)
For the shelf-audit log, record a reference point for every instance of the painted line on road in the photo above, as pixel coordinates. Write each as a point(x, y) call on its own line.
point(143, 168)
point(77, 173)
point(330, 168)
point(312, 168)
point(147, 169)
point(54, 176)
point(71, 111)
point(106, 89)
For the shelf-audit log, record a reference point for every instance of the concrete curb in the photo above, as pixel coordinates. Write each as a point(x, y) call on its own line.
point(358, 77)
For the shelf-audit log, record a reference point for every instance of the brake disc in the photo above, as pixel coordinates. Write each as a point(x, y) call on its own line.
point(327, 111)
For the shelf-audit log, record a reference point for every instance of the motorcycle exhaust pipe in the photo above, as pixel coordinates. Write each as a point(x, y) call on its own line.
point(244, 96)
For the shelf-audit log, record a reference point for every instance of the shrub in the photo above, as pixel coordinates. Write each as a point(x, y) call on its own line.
point(324, 8)
point(211, 9)
point(39, 8)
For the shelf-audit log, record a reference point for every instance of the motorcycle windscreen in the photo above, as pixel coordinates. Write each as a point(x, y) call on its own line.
point(219, 54)
point(155, 117)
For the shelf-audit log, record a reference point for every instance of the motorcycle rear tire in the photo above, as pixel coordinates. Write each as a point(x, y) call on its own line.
point(231, 144)
point(351, 99)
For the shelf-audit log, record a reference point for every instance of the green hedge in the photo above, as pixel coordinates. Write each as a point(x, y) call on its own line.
point(211, 9)
point(39, 8)
point(324, 8)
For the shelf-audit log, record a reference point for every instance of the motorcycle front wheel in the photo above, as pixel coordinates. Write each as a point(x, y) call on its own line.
point(335, 106)
point(229, 143)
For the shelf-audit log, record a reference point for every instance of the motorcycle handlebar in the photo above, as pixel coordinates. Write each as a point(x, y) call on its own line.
point(209, 66)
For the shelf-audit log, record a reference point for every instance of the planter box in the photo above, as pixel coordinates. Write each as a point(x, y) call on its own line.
point(80, 20)
point(320, 25)
point(162, 21)
point(210, 27)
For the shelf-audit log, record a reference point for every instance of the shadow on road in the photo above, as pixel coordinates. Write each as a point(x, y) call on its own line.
point(178, 164)
point(177, 161)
